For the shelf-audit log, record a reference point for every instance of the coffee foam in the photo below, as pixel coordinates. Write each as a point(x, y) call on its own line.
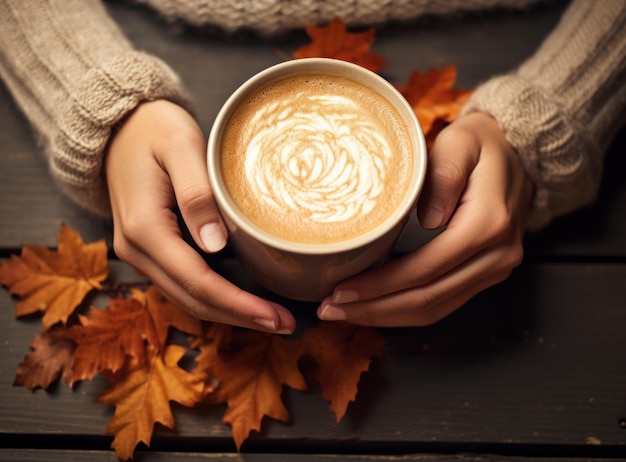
point(316, 159)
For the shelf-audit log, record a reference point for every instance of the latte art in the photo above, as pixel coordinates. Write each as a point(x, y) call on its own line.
point(314, 155)
point(316, 158)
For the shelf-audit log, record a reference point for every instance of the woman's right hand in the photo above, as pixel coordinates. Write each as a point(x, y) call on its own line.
point(156, 161)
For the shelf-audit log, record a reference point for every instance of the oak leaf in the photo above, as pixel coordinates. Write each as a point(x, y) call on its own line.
point(52, 356)
point(334, 41)
point(342, 353)
point(433, 98)
point(55, 282)
point(251, 369)
point(141, 394)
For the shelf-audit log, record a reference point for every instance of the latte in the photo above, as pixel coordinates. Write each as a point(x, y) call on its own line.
point(316, 159)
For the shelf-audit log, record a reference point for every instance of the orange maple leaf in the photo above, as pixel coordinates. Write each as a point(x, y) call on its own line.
point(334, 41)
point(433, 98)
point(342, 353)
point(52, 356)
point(141, 394)
point(251, 370)
point(165, 314)
point(127, 327)
point(55, 282)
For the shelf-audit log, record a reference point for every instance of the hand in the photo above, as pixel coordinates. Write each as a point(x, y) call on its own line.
point(476, 184)
point(155, 162)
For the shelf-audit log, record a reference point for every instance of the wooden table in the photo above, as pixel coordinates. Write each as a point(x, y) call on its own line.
point(533, 369)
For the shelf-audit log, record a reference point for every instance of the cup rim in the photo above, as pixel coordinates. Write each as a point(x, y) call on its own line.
point(333, 67)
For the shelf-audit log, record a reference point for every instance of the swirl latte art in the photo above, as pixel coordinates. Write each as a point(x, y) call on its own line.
point(333, 162)
point(316, 159)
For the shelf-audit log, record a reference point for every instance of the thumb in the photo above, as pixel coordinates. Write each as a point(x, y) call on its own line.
point(199, 210)
point(450, 162)
point(190, 181)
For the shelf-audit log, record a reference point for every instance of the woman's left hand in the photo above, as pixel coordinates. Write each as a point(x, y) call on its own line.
point(476, 184)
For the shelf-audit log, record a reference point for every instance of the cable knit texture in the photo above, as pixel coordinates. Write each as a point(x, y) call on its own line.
point(75, 76)
point(563, 106)
point(275, 16)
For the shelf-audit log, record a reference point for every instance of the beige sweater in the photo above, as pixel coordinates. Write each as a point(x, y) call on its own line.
point(75, 76)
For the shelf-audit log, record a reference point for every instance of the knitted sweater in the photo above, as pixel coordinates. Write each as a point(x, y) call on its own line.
point(75, 76)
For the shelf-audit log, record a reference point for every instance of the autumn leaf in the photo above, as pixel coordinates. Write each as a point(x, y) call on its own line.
point(55, 282)
point(251, 369)
point(107, 337)
point(165, 314)
point(141, 394)
point(128, 326)
point(52, 356)
point(334, 41)
point(433, 98)
point(342, 353)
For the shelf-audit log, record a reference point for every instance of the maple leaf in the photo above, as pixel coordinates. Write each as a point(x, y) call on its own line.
point(55, 282)
point(334, 41)
point(106, 337)
point(433, 98)
point(342, 353)
point(251, 370)
point(52, 356)
point(126, 327)
point(141, 394)
point(166, 314)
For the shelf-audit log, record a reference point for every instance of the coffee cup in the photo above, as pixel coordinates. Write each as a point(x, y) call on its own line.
point(315, 165)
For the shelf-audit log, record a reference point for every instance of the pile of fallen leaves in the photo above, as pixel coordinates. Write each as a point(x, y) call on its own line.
point(131, 342)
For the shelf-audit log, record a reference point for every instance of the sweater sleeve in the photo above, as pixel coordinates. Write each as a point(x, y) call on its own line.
point(561, 108)
point(270, 17)
point(74, 75)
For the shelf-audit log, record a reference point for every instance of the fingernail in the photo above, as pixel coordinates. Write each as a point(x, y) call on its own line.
point(268, 324)
point(284, 332)
point(345, 296)
point(433, 218)
point(332, 313)
point(213, 237)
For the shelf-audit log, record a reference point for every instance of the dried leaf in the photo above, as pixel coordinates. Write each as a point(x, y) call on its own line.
point(52, 356)
point(165, 314)
point(342, 353)
point(55, 282)
point(334, 41)
point(251, 370)
point(107, 337)
point(433, 97)
point(127, 327)
point(141, 394)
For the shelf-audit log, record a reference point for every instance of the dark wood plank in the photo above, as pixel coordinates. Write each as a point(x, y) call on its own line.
point(34, 455)
point(538, 360)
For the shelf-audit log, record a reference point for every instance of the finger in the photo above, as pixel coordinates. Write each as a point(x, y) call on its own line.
point(172, 263)
point(445, 252)
point(482, 221)
point(241, 309)
point(424, 305)
point(194, 197)
point(452, 158)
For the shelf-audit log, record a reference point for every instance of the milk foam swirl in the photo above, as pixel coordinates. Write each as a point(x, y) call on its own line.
point(316, 155)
